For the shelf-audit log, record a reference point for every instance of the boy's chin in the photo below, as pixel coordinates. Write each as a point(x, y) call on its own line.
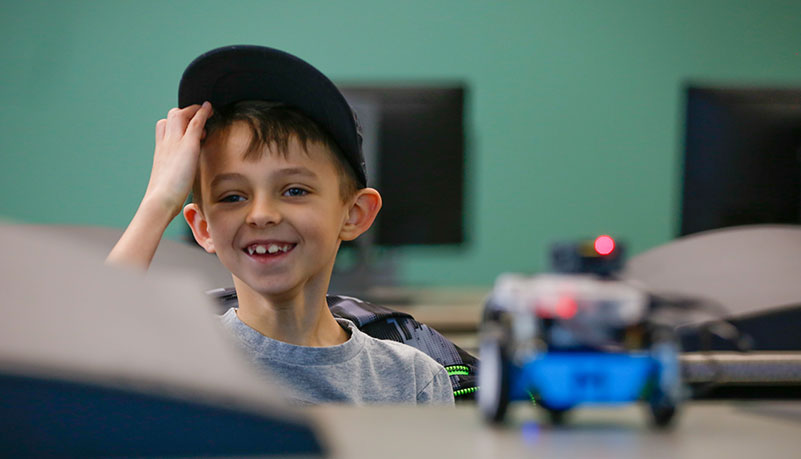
point(274, 289)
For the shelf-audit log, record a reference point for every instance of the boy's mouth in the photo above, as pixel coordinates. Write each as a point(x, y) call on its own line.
point(268, 248)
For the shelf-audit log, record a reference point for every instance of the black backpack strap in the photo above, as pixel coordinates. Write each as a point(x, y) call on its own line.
point(385, 323)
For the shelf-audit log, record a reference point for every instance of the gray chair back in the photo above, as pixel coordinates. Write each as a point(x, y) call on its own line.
point(747, 269)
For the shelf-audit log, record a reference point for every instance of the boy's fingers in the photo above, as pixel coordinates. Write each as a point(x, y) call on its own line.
point(177, 119)
point(198, 122)
point(161, 126)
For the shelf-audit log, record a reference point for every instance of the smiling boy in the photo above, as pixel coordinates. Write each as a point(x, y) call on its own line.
point(278, 182)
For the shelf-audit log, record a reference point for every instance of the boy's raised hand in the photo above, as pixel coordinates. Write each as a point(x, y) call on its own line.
point(175, 161)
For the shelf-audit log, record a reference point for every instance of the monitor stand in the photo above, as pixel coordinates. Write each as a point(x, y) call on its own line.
point(368, 273)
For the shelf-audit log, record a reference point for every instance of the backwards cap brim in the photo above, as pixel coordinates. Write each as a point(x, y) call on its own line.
point(245, 72)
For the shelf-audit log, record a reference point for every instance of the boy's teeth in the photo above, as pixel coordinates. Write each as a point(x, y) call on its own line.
point(271, 249)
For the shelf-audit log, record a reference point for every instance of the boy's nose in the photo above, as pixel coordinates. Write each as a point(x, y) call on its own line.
point(263, 212)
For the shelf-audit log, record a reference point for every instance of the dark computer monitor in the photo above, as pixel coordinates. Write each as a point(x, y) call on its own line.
point(742, 157)
point(414, 148)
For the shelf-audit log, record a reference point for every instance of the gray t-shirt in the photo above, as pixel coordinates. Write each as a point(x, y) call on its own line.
point(362, 370)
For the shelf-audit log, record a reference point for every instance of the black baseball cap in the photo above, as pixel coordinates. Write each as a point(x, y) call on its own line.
point(246, 72)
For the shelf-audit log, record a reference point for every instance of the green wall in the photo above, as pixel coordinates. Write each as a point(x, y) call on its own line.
point(575, 106)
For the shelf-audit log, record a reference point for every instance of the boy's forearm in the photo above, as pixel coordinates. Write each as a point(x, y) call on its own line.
point(141, 238)
point(174, 164)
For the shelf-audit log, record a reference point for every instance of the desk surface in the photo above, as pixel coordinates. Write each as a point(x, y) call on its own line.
point(449, 310)
point(704, 430)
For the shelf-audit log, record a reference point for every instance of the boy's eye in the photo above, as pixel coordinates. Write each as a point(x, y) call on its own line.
point(295, 191)
point(232, 198)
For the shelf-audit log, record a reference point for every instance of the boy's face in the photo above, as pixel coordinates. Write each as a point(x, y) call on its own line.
point(275, 221)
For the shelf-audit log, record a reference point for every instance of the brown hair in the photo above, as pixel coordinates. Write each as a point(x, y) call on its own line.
point(275, 124)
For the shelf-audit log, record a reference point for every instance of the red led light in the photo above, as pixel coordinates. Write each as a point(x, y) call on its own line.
point(604, 245)
point(566, 307)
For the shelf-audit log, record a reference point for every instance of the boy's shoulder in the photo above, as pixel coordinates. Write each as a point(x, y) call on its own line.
point(393, 352)
point(398, 363)
point(387, 324)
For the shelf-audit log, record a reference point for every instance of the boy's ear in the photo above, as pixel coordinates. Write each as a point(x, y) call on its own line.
point(200, 228)
point(362, 213)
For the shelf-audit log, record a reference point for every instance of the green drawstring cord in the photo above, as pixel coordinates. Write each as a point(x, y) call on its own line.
point(465, 370)
point(454, 370)
point(460, 370)
point(470, 390)
point(467, 390)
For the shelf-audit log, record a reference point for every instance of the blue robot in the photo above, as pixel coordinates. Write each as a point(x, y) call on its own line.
point(576, 336)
